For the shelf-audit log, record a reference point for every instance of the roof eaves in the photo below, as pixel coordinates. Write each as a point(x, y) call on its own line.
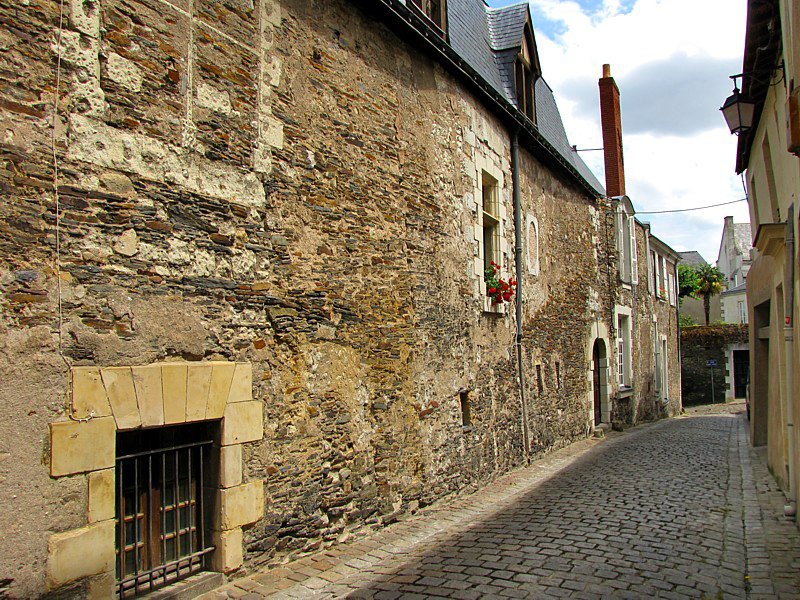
point(421, 33)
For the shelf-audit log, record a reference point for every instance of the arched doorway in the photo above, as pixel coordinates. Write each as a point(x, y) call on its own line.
point(599, 380)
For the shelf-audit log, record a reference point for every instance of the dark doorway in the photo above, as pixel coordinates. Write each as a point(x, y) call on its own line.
point(741, 371)
point(598, 362)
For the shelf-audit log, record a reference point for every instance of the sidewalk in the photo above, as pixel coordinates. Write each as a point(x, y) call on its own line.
point(758, 538)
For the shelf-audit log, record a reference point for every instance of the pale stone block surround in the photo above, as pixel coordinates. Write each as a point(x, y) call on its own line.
point(110, 399)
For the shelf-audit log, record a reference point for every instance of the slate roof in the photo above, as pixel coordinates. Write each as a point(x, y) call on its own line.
point(739, 289)
point(506, 25)
point(692, 258)
point(489, 39)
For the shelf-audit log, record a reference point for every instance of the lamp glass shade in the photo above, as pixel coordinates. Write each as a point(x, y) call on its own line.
point(738, 112)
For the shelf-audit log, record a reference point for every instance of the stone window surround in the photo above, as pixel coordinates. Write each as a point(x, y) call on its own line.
point(532, 261)
point(485, 165)
point(110, 399)
point(624, 311)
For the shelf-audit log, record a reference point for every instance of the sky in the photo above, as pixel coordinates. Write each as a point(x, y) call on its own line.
point(671, 60)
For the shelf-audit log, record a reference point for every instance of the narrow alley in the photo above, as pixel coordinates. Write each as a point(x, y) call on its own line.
point(683, 508)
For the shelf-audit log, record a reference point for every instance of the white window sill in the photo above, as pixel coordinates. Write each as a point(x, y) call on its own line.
point(493, 309)
point(625, 391)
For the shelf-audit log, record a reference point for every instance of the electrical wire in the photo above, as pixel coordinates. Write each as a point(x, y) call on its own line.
point(57, 92)
point(680, 210)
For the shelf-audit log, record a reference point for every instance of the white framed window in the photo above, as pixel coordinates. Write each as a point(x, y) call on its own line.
point(626, 243)
point(491, 219)
point(742, 313)
point(490, 223)
point(624, 357)
point(633, 251)
point(671, 289)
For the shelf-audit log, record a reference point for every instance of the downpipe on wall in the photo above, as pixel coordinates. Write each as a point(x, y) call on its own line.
point(518, 268)
point(788, 337)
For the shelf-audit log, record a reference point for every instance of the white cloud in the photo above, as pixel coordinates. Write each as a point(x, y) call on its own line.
point(671, 60)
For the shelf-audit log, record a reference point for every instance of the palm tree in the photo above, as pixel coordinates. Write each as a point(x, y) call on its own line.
point(709, 283)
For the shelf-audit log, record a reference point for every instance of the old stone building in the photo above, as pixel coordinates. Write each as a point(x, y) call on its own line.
point(245, 289)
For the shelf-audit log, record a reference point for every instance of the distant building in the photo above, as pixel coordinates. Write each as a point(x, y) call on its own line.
point(734, 261)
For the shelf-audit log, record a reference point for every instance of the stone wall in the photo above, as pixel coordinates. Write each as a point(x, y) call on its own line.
point(292, 187)
point(702, 343)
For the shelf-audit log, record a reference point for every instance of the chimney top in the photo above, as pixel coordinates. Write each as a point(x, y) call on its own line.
point(606, 71)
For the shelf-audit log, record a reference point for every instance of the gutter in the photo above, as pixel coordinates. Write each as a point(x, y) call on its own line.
point(419, 31)
point(518, 303)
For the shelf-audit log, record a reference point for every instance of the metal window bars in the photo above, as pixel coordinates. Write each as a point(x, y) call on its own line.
point(160, 522)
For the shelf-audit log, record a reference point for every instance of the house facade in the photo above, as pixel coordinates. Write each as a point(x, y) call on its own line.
point(734, 262)
point(767, 155)
point(248, 255)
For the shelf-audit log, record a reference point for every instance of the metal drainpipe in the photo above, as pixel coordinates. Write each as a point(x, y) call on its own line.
point(518, 265)
point(788, 336)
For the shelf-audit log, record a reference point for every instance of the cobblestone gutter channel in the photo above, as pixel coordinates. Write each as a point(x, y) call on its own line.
point(606, 518)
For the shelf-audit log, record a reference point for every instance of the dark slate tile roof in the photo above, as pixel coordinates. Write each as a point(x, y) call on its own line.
point(742, 287)
point(468, 30)
point(692, 258)
point(489, 40)
point(505, 60)
point(506, 25)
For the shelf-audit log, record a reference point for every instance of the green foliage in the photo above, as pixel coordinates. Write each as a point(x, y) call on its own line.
point(709, 280)
point(709, 283)
point(687, 321)
point(687, 278)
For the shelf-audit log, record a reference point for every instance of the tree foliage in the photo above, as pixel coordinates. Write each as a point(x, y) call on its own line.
point(687, 278)
point(701, 281)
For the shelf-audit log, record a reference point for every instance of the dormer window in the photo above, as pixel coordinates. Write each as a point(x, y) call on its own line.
point(525, 76)
point(435, 10)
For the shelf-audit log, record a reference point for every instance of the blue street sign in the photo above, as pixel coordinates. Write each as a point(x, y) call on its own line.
point(711, 363)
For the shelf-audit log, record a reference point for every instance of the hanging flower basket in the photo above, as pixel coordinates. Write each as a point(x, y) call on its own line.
point(497, 288)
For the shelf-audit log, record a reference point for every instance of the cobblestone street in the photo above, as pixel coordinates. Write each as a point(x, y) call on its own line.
point(679, 509)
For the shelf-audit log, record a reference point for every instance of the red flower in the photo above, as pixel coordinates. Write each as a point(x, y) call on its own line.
point(505, 285)
point(492, 291)
point(507, 296)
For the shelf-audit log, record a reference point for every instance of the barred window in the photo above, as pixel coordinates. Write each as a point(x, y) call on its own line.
point(162, 533)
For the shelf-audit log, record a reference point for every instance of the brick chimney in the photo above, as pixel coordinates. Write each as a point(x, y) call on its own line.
point(612, 134)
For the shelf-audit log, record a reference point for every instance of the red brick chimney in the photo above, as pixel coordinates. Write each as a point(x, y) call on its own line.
point(612, 134)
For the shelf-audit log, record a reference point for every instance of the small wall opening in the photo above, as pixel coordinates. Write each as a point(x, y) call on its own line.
point(539, 382)
point(558, 375)
point(466, 414)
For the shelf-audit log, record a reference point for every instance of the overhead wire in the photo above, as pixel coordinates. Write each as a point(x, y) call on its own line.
point(680, 210)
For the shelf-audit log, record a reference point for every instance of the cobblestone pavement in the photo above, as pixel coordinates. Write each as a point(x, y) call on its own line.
point(679, 509)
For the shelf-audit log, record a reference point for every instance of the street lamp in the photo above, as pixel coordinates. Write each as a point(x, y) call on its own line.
point(738, 111)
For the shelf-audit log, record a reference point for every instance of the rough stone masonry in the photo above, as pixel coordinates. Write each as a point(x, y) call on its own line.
point(287, 185)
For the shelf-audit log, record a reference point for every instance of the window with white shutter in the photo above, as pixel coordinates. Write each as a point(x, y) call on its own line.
point(634, 261)
point(621, 219)
point(672, 293)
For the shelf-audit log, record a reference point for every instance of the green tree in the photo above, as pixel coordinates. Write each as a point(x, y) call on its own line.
point(709, 283)
point(687, 280)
